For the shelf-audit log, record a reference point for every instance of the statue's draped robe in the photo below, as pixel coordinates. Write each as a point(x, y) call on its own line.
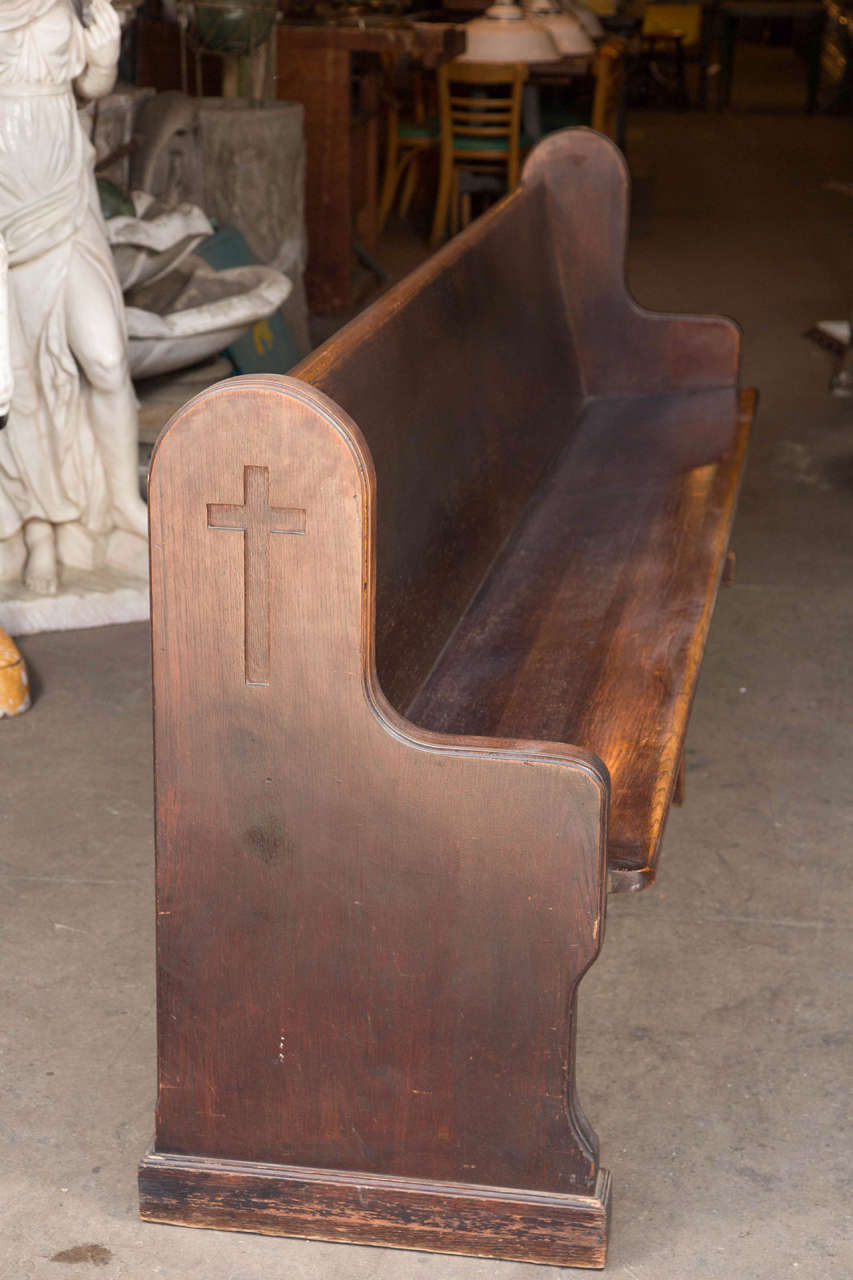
point(50, 467)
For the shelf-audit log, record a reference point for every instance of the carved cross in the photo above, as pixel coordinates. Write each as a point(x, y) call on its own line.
point(256, 520)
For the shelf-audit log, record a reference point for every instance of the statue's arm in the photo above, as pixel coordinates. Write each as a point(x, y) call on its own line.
point(103, 40)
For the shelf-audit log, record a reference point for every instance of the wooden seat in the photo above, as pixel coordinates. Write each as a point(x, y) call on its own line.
point(480, 120)
point(541, 650)
point(425, 637)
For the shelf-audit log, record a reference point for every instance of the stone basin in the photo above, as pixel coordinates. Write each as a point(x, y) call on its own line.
point(154, 242)
point(194, 312)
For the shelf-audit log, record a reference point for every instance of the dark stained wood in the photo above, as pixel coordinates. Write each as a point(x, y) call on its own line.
point(256, 521)
point(381, 867)
point(319, 77)
point(309, 841)
point(314, 67)
point(430, 42)
point(591, 623)
point(567, 1231)
point(511, 337)
point(624, 349)
point(459, 442)
point(158, 60)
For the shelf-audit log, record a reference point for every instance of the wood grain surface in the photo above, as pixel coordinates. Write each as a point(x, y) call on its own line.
point(558, 472)
point(403, 1213)
point(591, 623)
point(314, 67)
point(381, 866)
point(369, 936)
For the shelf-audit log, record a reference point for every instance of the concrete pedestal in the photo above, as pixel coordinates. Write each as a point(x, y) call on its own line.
point(86, 598)
point(253, 163)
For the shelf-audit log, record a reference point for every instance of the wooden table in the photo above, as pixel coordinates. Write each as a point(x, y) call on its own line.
point(808, 11)
point(315, 67)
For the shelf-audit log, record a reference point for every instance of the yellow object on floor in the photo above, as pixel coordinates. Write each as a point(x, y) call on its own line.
point(665, 19)
point(14, 683)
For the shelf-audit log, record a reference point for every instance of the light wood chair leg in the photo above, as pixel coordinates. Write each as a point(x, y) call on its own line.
point(454, 204)
point(410, 184)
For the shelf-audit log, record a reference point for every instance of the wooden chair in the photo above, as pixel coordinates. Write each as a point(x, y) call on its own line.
point(409, 136)
point(479, 106)
point(672, 35)
point(608, 103)
point(606, 112)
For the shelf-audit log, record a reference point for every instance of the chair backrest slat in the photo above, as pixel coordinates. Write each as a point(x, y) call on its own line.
point(488, 107)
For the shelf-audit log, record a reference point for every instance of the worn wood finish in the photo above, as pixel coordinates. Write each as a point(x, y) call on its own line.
point(632, 434)
point(454, 470)
point(403, 1213)
point(591, 623)
point(381, 869)
point(623, 349)
point(309, 841)
point(319, 77)
point(430, 42)
point(313, 66)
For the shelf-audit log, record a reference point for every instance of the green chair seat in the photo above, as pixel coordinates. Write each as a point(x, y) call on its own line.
point(554, 120)
point(463, 143)
point(413, 130)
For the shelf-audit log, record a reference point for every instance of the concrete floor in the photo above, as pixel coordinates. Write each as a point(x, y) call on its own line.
point(715, 1029)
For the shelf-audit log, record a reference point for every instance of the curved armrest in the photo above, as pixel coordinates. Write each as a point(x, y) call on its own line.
point(623, 348)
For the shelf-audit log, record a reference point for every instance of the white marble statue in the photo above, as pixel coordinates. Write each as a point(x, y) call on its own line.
point(5, 350)
point(68, 453)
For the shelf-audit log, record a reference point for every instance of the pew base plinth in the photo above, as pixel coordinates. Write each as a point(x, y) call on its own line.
point(400, 1213)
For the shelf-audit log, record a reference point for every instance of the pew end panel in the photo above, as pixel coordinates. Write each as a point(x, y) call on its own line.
point(370, 936)
point(623, 349)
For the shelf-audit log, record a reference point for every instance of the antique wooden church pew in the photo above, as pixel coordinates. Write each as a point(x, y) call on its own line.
point(427, 622)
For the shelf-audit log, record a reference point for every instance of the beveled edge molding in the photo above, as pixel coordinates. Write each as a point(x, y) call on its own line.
point(401, 1213)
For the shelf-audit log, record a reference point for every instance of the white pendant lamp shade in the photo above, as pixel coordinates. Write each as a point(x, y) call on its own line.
point(565, 29)
point(504, 34)
point(567, 33)
point(588, 19)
